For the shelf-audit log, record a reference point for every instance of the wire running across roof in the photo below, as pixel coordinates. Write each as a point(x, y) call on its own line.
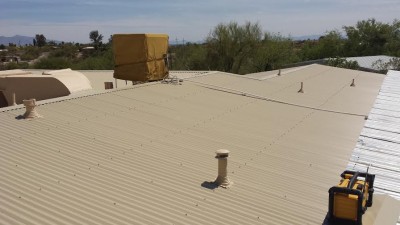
point(379, 142)
point(142, 154)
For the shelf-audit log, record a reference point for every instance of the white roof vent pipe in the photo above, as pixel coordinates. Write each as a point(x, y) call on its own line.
point(222, 179)
point(14, 102)
point(30, 112)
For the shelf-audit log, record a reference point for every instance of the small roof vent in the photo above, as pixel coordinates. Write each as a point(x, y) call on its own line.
point(301, 88)
point(353, 83)
point(222, 179)
point(30, 112)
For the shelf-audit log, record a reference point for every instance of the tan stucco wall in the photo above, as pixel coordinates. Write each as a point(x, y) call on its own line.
point(51, 84)
point(26, 87)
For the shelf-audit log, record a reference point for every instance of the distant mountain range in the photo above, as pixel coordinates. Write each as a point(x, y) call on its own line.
point(25, 40)
point(17, 39)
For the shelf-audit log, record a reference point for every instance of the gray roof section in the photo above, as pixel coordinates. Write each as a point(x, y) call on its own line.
point(379, 142)
point(367, 62)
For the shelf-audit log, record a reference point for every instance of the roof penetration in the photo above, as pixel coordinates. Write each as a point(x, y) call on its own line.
point(141, 155)
point(379, 142)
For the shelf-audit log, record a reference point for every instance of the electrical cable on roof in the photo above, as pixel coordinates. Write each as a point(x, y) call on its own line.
point(238, 92)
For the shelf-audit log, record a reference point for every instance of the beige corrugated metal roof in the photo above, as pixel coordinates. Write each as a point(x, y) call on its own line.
point(140, 155)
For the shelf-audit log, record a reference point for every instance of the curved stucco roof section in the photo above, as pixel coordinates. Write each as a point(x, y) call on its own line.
point(32, 86)
point(73, 80)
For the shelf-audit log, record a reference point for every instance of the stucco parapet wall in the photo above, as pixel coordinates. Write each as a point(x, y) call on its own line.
point(73, 80)
point(51, 84)
point(16, 72)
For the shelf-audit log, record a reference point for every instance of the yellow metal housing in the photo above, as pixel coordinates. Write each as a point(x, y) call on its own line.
point(140, 57)
point(351, 197)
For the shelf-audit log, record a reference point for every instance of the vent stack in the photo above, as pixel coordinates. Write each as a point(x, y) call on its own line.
point(222, 179)
point(301, 88)
point(353, 84)
point(30, 112)
point(14, 102)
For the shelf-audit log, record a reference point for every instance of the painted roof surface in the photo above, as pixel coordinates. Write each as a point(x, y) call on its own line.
point(379, 142)
point(142, 155)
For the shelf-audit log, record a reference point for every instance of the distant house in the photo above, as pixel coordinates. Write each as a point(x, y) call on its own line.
point(5, 59)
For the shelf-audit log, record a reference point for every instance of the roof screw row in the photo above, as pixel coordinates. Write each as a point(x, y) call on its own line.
point(302, 86)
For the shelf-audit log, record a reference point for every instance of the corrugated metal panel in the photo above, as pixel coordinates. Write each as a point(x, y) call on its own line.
point(368, 61)
point(141, 155)
point(379, 142)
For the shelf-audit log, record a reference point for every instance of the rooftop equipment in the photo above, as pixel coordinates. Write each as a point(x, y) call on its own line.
point(349, 200)
point(140, 57)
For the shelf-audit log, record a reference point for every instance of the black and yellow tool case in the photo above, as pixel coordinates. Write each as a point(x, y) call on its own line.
point(349, 200)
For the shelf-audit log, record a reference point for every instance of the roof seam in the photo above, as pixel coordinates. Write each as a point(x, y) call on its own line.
point(250, 95)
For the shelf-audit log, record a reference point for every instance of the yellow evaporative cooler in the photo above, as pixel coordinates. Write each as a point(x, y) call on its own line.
point(140, 57)
point(349, 200)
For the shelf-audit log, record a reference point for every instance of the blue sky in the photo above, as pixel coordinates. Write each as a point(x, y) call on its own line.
point(72, 20)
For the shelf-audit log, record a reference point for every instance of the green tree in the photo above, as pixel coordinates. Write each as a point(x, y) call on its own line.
point(96, 38)
point(104, 60)
point(189, 57)
point(368, 37)
point(343, 63)
point(40, 40)
point(274, 52)
point(393, 46)
point(67, 51)
point(229, 46)
point(393, 64)
point(331, 44)
point(30, 53)
point(53, 63)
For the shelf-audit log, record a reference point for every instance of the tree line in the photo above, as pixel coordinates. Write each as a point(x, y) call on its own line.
point(243, 49)
point(44, 54)
point(235, 48)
